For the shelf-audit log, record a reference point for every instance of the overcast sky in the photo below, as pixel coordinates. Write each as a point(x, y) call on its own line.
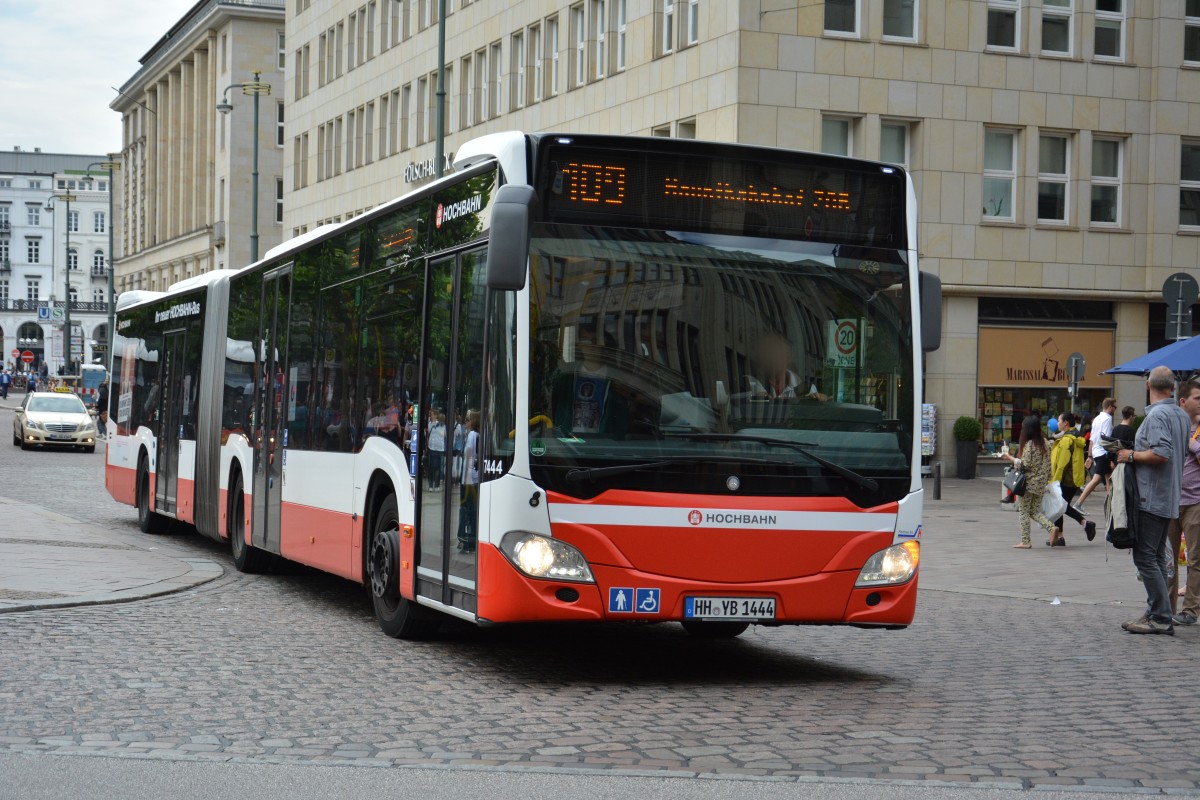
point(59, 61)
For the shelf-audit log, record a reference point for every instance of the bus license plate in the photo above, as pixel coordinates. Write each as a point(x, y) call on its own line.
point(729, 608)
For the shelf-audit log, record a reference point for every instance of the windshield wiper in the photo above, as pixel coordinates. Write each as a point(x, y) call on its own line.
point(800, 447)
point(580, 474)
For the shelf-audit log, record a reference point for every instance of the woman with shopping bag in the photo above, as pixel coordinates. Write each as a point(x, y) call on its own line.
point(1034, 459)
point(1067, 466)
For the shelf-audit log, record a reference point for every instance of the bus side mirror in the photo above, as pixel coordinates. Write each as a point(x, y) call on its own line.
point(508, 245)
point(930, 289)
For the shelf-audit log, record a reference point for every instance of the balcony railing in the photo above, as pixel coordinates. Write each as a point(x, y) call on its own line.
point(5, 266)
point(99, 272)
point(34, 305)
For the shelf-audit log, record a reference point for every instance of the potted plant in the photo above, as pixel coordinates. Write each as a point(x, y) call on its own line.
point(967, 431)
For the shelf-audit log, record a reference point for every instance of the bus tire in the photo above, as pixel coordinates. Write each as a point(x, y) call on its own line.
point(148, 521)
point(715, 630)
point(247, 558)
point(398, 617)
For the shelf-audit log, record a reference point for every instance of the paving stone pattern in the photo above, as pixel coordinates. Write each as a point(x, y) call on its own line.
point(980, 689)
point(983, 688)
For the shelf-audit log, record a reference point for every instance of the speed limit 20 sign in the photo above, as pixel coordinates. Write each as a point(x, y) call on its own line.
point(842, 345)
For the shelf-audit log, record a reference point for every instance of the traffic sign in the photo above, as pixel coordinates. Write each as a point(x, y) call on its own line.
point(27, 356)
point(1180, 292)
point(15, 353)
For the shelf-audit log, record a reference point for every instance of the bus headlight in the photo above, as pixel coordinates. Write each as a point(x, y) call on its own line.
point(540, 556)
point(896, 564)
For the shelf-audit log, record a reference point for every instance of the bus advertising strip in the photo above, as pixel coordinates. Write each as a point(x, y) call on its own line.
point(679, 381)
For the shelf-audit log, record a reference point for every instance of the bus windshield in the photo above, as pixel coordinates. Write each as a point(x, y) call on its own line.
point(691, 362)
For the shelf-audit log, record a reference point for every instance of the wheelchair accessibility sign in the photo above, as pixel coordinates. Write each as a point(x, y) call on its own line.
point(627, 600)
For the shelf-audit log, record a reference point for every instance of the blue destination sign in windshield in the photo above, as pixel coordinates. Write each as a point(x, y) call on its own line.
point(801, 196)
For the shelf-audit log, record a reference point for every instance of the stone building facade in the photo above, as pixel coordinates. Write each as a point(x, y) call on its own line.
point(185, 183)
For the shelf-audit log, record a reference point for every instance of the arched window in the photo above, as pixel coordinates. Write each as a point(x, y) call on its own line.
point(74, 293)
point(98, 261)
point(72, 258)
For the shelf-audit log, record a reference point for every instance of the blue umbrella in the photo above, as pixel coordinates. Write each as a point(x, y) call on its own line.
point(1181, 357)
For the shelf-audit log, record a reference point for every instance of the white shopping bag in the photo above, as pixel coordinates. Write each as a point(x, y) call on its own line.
point(1053, 504)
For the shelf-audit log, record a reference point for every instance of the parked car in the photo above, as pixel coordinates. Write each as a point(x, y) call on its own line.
point(53, 419)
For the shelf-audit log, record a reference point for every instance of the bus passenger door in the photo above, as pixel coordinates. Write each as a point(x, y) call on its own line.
point(270, 408)
point(170, 398)
point(449, 486)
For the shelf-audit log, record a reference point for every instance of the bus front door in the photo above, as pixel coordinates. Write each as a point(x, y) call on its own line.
point(270, 408)
point(171, 399)
point(449, 480)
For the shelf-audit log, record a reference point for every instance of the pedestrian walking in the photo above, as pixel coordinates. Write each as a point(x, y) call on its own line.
point(1099, 461)
point(1186, 529)
point(102, 408)
point(1034, 459)
point(468, 512)
point(437, 449)
point(5, 382)
point(1067, 459)
point(1160, 446)
point(31, 384)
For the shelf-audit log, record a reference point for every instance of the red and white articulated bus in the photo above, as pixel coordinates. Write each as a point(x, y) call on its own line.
point(580, 378)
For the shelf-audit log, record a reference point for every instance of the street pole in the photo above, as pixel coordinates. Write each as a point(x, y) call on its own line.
point(439, 152)
point(67, 283)
point(110, 165)
point(254, 186)
point(254, 88)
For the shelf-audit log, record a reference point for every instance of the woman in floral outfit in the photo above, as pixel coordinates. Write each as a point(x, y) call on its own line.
point(1035, 460)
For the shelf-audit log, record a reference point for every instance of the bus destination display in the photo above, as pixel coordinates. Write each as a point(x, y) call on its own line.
point(821, 201)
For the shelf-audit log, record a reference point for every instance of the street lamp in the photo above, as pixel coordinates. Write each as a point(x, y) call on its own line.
point(67, 198)
point(253, 88)
point(109, 165)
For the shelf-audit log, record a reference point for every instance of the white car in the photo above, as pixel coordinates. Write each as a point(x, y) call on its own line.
point(54, 419)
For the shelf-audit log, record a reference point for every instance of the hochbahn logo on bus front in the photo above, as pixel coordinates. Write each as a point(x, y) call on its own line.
point(449, 213)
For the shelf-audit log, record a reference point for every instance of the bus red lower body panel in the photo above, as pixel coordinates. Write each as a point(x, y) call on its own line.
point(505, 595)
point(121, 483)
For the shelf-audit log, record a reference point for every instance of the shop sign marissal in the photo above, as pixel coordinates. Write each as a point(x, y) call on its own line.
point(1038, 356)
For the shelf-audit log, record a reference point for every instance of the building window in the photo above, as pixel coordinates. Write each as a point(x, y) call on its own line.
point(97, 295)
point(1003, 19)
point(279, 200)
point(73, 222)
point(836, 136)
point(4, 218)
point(423, 105)
point(535, 58)
point(622, 20)
point(4, 253)
point(406, 116)
point(518, 68)
point(98, 262)
point(5, 183)
point(900, 19)
point(1106, 182)
point(33, 251)
point(72, 258)
point(1056, 27)
point(1054, 158)
point(479, 110)
point(685, 129)
point(279, 140)
point(3, 293)
point(33, 215)
point(999, 175)
point(693, 22)
point(667, 42)
point(663, 131)
point(35, 184)
point(497, 65)
point(579, 48)
point(98, 222)
point(893, 143)
point(280, 50)
point(598, 34)
point(1110, 29)
point(552, 54)
point(841, 17)
point(1189, 184)
point(1191, 32)
point(73, 294)
point(32, 291)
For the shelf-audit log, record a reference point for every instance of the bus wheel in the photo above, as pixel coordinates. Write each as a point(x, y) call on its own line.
point(148, 521)
point(398, 617)
point(246, 558)
point(715, 630)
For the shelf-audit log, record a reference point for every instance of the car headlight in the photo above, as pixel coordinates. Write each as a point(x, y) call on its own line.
point(895, 564)
point(540, 556)
point(35, 426)
point(85, 426)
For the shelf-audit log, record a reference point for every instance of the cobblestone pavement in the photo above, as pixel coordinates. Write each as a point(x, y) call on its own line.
point(983, 688)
